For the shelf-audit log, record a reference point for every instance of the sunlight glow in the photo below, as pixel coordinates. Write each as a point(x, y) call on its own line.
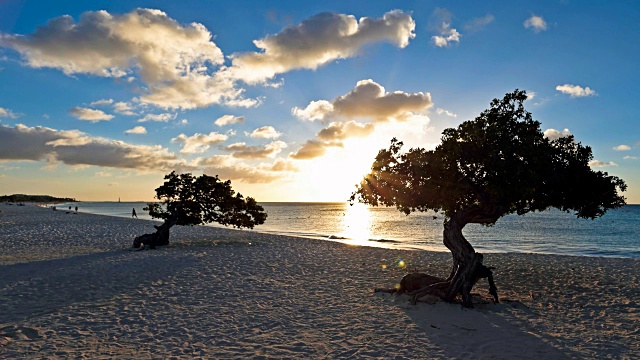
point(356, 224)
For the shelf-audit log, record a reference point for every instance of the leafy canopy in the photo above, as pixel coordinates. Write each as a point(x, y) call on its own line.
point(190, 200)
point(500, 163)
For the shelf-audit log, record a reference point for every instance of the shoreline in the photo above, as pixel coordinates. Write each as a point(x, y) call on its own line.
point(71, 288)
point(483, 239)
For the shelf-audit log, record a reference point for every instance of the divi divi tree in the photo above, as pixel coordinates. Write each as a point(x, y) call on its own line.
point(498, 164)
point(189, 200)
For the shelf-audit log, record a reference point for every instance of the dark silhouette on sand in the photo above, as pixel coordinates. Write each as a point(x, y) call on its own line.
point(498, 164)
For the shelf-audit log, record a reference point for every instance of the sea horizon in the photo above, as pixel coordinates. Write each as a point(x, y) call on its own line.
point(552, 231)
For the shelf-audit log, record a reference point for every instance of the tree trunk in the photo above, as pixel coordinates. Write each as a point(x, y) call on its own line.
point(467, 266)
point(159, 238)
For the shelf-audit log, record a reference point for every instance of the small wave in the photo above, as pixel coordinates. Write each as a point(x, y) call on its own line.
point(335, 237)
point(386, 241)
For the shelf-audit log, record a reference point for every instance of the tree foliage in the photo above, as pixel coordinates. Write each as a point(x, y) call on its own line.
point(498, 164)
point(189, 200)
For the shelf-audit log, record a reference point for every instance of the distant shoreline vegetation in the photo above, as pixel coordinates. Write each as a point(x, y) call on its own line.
point(35, 198)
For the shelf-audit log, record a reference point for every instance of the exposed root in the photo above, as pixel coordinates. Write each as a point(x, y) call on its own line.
point(423, 287)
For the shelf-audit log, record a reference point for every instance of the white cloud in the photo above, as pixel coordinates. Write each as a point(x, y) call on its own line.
point(313, 149)
point(79, 149)
point(6, 113)
point(367, 100)
point(172, 60)
point(102, 102)
point(535, 23)
point(531, 95)
point(228, 120)
point(181, 67)
point(284, 165)
point(318, 40)
point(440, 111)
point(92, 115)
point(553, 134)
point(630, 158)
point(199, 143)
point(265, 132)
point(622, 148)
point(124, 108)
point(158, 117)
point(341, 130)
point(447, 36)
point(75, 148)
point(316, 110)
point(226, 168)
point(598, 163)
point(242, 151)
point(137, 130)
point(575, 90)
point(478, 24)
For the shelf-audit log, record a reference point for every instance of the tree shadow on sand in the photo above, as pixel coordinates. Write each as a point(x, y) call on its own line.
point(483, 332)
point(40, 287)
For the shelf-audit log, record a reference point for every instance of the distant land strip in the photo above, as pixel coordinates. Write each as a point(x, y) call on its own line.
point(34, 198)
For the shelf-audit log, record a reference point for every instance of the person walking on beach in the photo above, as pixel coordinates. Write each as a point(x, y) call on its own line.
point(133, 213)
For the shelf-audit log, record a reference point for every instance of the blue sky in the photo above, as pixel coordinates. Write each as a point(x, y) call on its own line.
point(292, 100)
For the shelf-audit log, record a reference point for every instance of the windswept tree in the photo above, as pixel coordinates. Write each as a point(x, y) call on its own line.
point(498, 164)
point(188, 200)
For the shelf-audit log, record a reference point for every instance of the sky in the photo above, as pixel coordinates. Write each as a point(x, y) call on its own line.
point(292, 100)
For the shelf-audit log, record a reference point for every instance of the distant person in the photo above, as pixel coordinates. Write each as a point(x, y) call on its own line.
point(76, 209)
point(133, 213)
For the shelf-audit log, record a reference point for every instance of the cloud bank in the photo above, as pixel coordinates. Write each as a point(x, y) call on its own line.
point(318, 40)
point(181, 67)
point(172, 60)
point(367, 100)
point(76, 148)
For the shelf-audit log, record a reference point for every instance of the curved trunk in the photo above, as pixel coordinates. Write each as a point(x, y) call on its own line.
point(159, 238)
point(467, 267)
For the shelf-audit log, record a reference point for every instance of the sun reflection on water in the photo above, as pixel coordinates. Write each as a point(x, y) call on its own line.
point(356, 224)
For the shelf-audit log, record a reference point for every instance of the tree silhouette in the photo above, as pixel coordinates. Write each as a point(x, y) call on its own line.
point(189, 200)
point(500, 163)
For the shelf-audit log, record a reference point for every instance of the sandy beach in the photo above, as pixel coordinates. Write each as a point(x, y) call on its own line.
point(71, 288)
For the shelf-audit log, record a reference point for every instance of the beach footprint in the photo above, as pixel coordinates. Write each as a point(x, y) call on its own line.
point(18, 332)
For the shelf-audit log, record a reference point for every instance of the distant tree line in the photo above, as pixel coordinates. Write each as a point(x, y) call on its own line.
point(34, 198)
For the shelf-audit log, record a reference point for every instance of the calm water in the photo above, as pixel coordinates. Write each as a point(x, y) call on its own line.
point(617, 234)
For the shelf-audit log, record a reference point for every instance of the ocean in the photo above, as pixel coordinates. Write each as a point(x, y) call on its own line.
point(616, 234)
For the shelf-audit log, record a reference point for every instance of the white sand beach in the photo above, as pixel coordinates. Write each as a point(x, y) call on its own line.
point(70, 288)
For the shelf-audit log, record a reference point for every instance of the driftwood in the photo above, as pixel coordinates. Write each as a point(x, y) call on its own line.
point(412, 282)
point(423, 287)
